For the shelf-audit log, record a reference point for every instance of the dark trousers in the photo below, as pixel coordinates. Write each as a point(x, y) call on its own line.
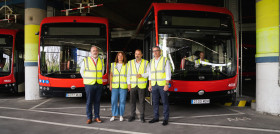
point(157, 91)
point(133, 97)
point(93, 94)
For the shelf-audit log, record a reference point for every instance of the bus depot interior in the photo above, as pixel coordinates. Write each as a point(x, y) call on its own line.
point(184, 36)
point(211, 47)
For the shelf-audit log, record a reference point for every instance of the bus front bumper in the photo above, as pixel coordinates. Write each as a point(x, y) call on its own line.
point(60, 92)
point(7, 87)
point(218, 96)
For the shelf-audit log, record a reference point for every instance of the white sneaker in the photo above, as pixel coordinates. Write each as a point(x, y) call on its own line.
point(112, 119)
point(121, 118)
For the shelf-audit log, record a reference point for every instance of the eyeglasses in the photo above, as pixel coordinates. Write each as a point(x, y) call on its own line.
point(156, 50)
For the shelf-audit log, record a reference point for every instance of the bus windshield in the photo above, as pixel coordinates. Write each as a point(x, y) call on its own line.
point(6, 49)
point(61, 55)
point(201, 51)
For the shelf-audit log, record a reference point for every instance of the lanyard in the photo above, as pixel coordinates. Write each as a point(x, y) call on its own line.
point(93, 61)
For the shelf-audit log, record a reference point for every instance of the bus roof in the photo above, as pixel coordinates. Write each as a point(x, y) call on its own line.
point(78, 19)
point(183, 6)
point(9, 31)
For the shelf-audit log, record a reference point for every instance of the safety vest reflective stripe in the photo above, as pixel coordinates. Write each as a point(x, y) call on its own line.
point(158, 75)
point(162, 71)
point(118, 82)
point(134, 81)
point(119, 75)
point(119, 78)
point(93, 70)
point(158, 79)
point(199, 61)
point(93, 73)
point(138, 82)
point(87, 64)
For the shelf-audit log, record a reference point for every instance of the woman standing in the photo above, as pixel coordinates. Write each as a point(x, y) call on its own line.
point(118, 85)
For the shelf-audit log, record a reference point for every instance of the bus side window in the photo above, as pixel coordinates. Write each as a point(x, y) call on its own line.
point(149, 39)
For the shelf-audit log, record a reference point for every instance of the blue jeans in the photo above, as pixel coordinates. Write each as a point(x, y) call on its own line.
point(93, 94)
point(157, 91)
point(116, 94)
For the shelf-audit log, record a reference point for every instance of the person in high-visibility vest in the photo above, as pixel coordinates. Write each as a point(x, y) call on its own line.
point(137, 82)
point(118, 85)
point(159, 77)
point(92, 70)
point(201, 60)
point(184, 59)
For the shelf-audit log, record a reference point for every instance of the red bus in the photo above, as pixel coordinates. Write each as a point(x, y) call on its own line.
point(183, 31)
point(11, 61)
point(64, 42)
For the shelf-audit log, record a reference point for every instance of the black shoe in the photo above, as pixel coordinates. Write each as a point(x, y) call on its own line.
point(131, 119)
point(153, 120)
point(165, 122)
point(143, 120)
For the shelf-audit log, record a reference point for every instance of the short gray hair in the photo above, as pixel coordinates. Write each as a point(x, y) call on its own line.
point(156, 47)
point(93, 47)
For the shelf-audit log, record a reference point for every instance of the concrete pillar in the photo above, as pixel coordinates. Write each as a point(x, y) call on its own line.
point(35, 11)
point(267, 54)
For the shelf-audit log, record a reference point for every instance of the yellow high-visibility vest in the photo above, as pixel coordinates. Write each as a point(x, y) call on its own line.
point(134, 81)
point(93, 73)
point(119, 78)
point(199, 62)
point(158, 75)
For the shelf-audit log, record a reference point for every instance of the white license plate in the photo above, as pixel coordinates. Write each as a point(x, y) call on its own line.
point(200, 101)
point(74, 94)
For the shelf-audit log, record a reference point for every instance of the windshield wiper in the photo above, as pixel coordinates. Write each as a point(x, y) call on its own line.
point(184, 47)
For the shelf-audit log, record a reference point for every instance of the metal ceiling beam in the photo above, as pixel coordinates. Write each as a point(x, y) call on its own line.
point(12, 2)
point(114, 18)
point(58, 4)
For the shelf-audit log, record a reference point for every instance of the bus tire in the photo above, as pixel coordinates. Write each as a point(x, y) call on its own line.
point(14, 90)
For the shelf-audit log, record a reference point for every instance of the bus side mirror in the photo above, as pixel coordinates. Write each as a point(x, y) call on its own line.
point(37, 33)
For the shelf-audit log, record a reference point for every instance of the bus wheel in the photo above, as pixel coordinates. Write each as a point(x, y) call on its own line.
point(14, 90)
point(231, 98)
point(106, 93)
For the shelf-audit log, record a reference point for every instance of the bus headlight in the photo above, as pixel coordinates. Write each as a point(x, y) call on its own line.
point(44, 88)
point(6, 85)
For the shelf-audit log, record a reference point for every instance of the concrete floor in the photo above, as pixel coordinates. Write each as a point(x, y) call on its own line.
point(67, 116)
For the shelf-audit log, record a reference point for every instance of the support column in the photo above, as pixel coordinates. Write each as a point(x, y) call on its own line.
point(35, 11)
point(267, 54)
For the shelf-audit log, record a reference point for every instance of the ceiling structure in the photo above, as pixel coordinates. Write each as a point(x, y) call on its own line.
point(127, 14)
point(122, 14)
